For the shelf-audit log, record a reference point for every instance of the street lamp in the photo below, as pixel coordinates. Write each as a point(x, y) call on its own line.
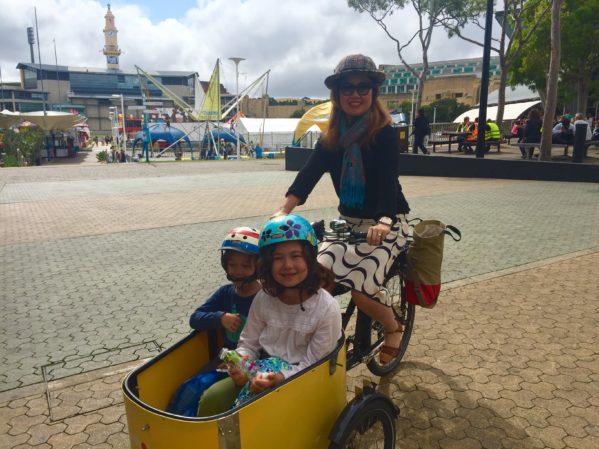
point(237, 61)
point(113, 113)
point(124, 121)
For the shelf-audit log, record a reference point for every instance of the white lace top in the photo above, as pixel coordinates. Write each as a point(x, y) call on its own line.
point(299, 337)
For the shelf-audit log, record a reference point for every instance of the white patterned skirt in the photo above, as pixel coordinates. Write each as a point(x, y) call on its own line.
point(364, 267)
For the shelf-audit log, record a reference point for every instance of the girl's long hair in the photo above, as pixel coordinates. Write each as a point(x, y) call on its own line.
point(379, 118)
point(318, 275)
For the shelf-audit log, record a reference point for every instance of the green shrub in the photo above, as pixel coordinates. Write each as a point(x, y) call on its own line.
point(29, 141)
point(102, 156)
point(10, 161)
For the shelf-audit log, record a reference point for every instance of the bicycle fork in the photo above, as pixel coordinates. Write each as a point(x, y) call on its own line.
point(363, 349)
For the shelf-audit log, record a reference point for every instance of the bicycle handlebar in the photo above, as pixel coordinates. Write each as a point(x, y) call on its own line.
point(346, 235)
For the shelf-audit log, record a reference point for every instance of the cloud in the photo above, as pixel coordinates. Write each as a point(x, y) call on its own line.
point(300, 42)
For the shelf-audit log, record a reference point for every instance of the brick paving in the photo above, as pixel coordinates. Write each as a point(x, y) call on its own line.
point(102, 262)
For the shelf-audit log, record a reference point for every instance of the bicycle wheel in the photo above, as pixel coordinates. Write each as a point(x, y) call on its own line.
point(405, 313)
point(371, 428)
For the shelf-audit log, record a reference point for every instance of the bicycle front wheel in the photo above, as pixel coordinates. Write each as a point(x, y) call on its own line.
point(405, 314)
point(371, 428)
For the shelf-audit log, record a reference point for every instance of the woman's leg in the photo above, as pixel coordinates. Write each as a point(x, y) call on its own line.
point(384, 315)
point(218, 398)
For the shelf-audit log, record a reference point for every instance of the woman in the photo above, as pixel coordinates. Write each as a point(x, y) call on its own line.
point(531, 132)
point(360, 151)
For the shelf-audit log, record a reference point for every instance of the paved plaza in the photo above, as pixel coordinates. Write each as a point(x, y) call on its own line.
point(101, 265)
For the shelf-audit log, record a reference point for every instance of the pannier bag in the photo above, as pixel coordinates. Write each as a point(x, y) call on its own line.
point(425, 256)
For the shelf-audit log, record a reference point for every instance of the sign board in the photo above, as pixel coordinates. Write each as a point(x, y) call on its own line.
point(153, 103)
point(135, 108)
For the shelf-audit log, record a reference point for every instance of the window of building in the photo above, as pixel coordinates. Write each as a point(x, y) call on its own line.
point(30, 78)
point(458, 95)
point(437, 96)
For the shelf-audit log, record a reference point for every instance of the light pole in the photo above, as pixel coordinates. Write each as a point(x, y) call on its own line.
point(113, 114)
point(124, 121)
point(237, 61)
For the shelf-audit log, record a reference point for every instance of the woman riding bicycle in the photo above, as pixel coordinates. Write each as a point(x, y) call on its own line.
point(360, 151)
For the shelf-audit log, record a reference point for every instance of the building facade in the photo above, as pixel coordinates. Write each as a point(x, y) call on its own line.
point(459, 79)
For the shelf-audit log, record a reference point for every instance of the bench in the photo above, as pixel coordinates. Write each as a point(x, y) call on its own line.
point(509, 137)
point(436, 142)
point(470, 146)
point(590, 143)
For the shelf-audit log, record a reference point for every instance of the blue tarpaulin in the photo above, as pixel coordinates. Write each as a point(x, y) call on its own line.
point(159, 131)
point(226, 134)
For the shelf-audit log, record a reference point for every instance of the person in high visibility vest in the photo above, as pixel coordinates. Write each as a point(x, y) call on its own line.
point(492, 132)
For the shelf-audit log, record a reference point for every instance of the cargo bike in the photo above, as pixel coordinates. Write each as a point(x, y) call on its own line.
point(307, 411)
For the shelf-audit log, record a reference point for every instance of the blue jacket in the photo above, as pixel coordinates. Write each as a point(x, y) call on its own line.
point(223, 300)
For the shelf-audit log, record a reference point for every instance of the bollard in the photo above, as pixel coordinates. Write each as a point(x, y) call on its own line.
point(579, 139)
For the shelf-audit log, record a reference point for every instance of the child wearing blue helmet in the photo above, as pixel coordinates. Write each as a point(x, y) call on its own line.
point(293, 318)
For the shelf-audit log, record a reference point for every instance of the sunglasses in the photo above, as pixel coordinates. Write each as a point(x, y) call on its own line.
point(362, 89)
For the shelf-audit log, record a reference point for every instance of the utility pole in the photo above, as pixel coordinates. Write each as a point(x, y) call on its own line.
point(237, 61)
point(57, 77)
point(484, 83)
point(39, 58)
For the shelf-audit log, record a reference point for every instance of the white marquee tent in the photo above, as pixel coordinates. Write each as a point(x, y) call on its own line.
point(511, 111)
point(276, 133)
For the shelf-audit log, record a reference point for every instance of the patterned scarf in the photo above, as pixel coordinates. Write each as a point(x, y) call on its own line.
point(353, 181)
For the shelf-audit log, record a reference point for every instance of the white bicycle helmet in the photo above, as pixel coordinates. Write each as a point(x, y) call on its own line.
point(243, 240)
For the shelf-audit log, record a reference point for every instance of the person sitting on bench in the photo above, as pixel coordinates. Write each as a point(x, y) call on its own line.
point(563, 132)
point(580, 120)
point(531, 133)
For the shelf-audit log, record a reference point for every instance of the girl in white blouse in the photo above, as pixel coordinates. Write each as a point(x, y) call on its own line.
point(293, 318)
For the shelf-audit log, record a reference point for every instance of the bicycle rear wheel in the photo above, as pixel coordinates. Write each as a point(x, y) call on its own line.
point(405, 313)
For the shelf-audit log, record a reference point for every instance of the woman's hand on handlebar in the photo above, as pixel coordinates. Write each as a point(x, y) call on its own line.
point(377, 234)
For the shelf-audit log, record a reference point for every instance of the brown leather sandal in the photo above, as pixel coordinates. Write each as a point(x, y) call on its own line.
point(390, 351)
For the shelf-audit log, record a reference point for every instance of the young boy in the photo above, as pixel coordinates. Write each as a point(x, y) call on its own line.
point(228, 307)
point(226, 310)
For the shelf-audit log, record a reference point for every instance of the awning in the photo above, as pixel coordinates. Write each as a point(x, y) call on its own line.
point(510, 112)
point(317, 115)
point(46, 121)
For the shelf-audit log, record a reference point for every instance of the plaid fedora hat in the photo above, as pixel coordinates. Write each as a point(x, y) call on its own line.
point(355, 64)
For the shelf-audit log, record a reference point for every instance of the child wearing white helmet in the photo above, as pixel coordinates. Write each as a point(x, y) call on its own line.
point(293, 320)
point(225, 311)
point(228, 307)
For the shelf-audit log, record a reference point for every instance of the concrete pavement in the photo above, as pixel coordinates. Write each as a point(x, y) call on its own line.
point(102, 263)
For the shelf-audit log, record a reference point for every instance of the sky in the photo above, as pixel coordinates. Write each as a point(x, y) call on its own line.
point(300, 42)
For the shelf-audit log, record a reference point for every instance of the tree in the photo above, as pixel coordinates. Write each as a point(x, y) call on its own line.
point(579, 56)
point(298, 113)
point(28, 141)
point(551, 81)
point(447, 109)
point(515, 32)
point(430, 14)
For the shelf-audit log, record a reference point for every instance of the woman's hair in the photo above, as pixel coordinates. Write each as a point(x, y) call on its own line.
point(318, 275)
point(379, 118)
point(534, 113)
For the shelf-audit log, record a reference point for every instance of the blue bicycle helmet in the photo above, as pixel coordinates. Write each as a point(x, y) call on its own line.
point(287, 228)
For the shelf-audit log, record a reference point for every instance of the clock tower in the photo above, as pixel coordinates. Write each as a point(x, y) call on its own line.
point(111, 47)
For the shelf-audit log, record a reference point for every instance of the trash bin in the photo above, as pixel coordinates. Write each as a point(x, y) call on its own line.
point(402, 138)
point(258, 151)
